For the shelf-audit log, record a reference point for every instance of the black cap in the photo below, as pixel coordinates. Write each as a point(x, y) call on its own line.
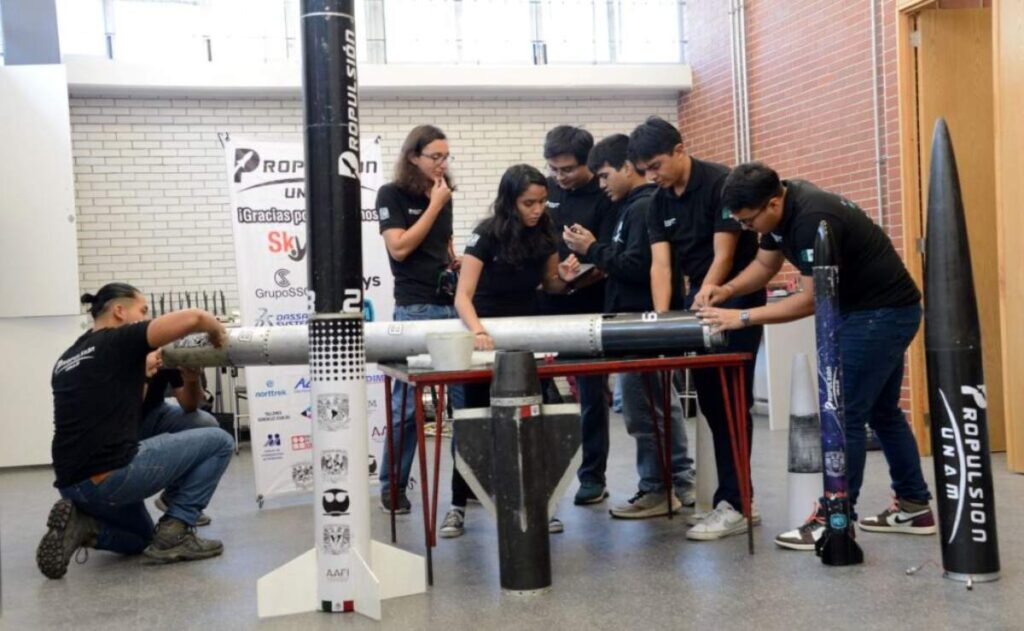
point(515, 375)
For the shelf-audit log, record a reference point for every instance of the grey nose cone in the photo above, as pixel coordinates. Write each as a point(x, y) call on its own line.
point(515, 375)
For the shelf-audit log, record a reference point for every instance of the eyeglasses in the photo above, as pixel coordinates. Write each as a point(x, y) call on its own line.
point(748, 222)
point(439, 158)
point(563, 170)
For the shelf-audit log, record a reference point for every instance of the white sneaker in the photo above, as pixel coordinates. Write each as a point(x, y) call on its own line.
point(695, 518)
point(555, 525)
point(644, 505)
point(454, 524)
point(722, 522)
point(687, 495)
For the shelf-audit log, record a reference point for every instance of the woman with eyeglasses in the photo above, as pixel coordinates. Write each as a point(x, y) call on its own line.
point(415, 214)
point(507, 257)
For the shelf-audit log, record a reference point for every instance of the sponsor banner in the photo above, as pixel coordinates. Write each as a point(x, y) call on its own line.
point(268, 211)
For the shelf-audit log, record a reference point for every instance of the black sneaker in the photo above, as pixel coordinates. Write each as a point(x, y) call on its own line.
point(161, 505)
point(403, 508)
point(69, 530)
point(175, 541)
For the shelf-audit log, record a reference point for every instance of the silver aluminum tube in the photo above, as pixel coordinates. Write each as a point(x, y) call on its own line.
point(572, 335)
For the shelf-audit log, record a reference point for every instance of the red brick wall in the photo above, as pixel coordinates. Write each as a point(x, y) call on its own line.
point(809, 69)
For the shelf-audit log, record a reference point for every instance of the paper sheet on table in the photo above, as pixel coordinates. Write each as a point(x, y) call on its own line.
point(480, 358)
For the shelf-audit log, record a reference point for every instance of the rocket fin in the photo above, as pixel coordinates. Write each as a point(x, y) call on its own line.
point(290, 589)
point(367, 587)
point(564, 453)
point(399, 572)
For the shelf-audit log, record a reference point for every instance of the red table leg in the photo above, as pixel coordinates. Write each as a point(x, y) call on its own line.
point(424, 481)
point(390, 446)
point(733, 419)
point(666, 415)
point(746, 488)
point(438, 425)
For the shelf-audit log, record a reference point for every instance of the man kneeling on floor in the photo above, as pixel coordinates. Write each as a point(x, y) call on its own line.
point(103, 472)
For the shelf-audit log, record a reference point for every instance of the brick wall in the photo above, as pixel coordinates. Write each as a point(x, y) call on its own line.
point(809, 67)
point(151, 189)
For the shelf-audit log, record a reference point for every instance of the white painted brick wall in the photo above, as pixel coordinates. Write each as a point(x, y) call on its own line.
point(152, 195)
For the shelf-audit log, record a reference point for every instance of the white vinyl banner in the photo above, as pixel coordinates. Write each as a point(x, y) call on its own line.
point(268, 205)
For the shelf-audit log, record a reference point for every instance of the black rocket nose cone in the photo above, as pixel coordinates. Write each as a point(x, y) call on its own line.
point(515, 375)
point(825, 247)
point(951, 313)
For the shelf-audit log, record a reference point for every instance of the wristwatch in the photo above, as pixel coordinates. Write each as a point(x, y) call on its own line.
point(745, 318)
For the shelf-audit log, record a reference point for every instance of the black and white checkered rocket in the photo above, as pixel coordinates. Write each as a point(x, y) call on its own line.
point(337, 356)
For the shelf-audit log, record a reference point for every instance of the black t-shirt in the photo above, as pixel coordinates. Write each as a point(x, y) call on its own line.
point(97, 399)
point(689, 223)
point(156, 390)
point(416, 278)
point(589, 207)
point(626, 258)
point(504, 289)
point(871, 273)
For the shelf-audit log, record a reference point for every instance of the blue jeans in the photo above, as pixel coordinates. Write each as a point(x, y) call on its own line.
point(169, 418)
point(405, 420)
point(873, 344)
point(640, 423)
point(594, 419)
point(189, 464)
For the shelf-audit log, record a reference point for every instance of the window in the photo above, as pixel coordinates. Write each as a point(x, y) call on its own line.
point(649, 31)
point(420, 31)
point(495, 32)
point(576, 31)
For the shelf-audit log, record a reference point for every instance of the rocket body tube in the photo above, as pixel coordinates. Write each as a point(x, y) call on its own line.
point(837, 545)
point(956, 382)
point(573, 335)
point(335, 350)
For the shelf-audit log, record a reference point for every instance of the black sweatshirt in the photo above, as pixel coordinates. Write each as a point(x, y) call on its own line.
point(626, 258)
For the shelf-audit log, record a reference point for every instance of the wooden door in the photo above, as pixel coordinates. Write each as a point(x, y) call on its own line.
point(954, 80)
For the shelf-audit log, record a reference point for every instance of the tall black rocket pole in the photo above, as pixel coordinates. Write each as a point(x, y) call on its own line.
point(337, 355)
point(956, 382)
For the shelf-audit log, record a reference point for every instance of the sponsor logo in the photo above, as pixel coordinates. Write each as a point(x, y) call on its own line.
point(415, 211)
point(371, 281)
point(302, 475)
point(373, 466)
point(334, 464)
point(726, 214)
point(337, 539)
point(272, 448)
point(248, 161)
point(837, 521)
point(270, 392)
point(552, 204)
point(282, 242)
point(617, 237)
point(348, 165)
point(375, 378)
point(302, 442)
point(272, 415)
point(302, 385)
point(281, 278)
point(777, 237)
point(807, 256)
point(835, 463)
point(69, 364)
point(335, 502)
point(670, 222)
point(246, 214)
point(368, 310)
point(266, 318)
point(290, 292)
point(384, 213)
point(332, 412)
point(833, 388)
point(962, 461)
point(338, 575)
point(472, 240)
point(308, 412)
point(379, 433)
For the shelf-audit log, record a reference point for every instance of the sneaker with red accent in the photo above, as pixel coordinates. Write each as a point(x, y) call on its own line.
point(904, 517)
point(804, 537)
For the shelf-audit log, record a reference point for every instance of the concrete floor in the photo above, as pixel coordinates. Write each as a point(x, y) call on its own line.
point(608, 574)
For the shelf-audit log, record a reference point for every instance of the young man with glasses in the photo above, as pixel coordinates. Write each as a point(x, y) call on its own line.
point(691, 236)
point(626, 259)
point(881, 311)
point(575, 198)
